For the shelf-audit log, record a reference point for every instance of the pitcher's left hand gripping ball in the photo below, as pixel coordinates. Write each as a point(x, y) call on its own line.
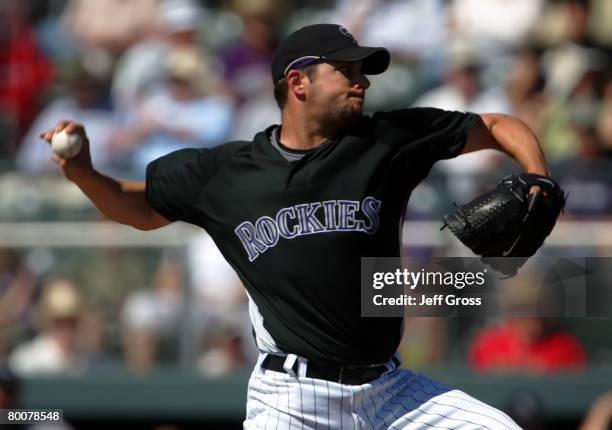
point(509, 221)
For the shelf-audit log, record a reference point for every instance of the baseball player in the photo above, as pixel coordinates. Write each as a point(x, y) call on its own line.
point(294, 210)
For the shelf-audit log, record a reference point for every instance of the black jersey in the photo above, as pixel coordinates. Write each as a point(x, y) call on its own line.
point(295, 232)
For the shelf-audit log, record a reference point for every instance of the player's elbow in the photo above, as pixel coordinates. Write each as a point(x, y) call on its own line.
point(143, 221)
point(151, 221)
point(500, 124)
point(143, 227)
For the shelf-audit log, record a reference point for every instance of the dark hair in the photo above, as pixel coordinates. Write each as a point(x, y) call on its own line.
point(281, 88)
point(280, 93)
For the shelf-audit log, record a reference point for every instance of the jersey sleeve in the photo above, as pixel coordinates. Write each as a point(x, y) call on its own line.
point(175, 180)
point(434, 134)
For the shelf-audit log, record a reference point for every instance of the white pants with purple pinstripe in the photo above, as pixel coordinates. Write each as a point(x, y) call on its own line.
point(399, 399)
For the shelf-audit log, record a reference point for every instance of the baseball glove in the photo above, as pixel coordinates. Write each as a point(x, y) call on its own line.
point(508, 221)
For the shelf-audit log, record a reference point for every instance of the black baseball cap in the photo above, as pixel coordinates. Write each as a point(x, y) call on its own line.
point(321, 42)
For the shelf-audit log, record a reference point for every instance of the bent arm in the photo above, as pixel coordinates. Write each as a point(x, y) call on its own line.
point(120, 200)
point(510, 135)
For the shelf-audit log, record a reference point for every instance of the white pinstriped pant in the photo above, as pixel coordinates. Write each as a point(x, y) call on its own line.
point(399, 399)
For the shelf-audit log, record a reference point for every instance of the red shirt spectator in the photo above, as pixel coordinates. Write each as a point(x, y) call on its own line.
point(528, 344)
point(26, 70)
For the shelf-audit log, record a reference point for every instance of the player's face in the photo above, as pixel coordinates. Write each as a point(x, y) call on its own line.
point(336, 91)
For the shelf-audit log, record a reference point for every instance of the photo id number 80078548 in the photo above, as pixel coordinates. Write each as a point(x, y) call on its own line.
point(30, 416)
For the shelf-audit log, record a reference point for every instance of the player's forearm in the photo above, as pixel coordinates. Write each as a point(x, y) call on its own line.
point(516, 139)
point(120, 200)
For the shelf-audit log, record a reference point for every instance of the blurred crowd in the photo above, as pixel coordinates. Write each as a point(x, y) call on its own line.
point(52, 322)
point(147, 77)
point(150, 76)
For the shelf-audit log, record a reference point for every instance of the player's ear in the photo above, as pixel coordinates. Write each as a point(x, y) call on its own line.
point(296, 83)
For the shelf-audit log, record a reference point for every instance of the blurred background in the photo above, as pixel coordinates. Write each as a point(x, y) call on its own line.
point(119, 327)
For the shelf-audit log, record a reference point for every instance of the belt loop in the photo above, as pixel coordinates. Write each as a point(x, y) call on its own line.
point(302, 367)
point(397, 360)
point(394, 362)
point(289, 363)
point(260, 360)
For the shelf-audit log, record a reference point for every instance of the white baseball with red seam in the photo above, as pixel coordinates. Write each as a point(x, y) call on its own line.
point(66, 145)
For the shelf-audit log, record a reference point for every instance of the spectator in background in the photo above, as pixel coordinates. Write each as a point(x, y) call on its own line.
point(490, 32)
point(151, 316)
point(141, 69)
point(571, 61)
point(528, 344)
point(604, 120)
point(25, 73)
point(574, 120)
point(571, 77)
point(186, 112)
point(522, 341)
point(86, 99)
point(254, 114)
point(220, 310)
point(111, 24)
point(565, 22)
point(525, 85)
point(16, 287)
point(215, 306)
point(586, 177)
point(54, 37)
point(493, 28)
point(246, 61)
point(246, 65)
point(222, 351)
point(56, 348)
point(463, 90)
point(413, 30)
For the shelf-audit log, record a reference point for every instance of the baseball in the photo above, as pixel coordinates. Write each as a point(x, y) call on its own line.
point(66, 145)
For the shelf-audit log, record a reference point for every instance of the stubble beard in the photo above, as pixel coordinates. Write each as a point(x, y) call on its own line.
point(338, 118)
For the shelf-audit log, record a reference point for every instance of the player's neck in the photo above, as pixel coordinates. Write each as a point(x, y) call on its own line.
point(300, 133)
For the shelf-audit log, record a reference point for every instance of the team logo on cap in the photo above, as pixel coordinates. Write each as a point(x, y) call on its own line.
point(347, 33)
